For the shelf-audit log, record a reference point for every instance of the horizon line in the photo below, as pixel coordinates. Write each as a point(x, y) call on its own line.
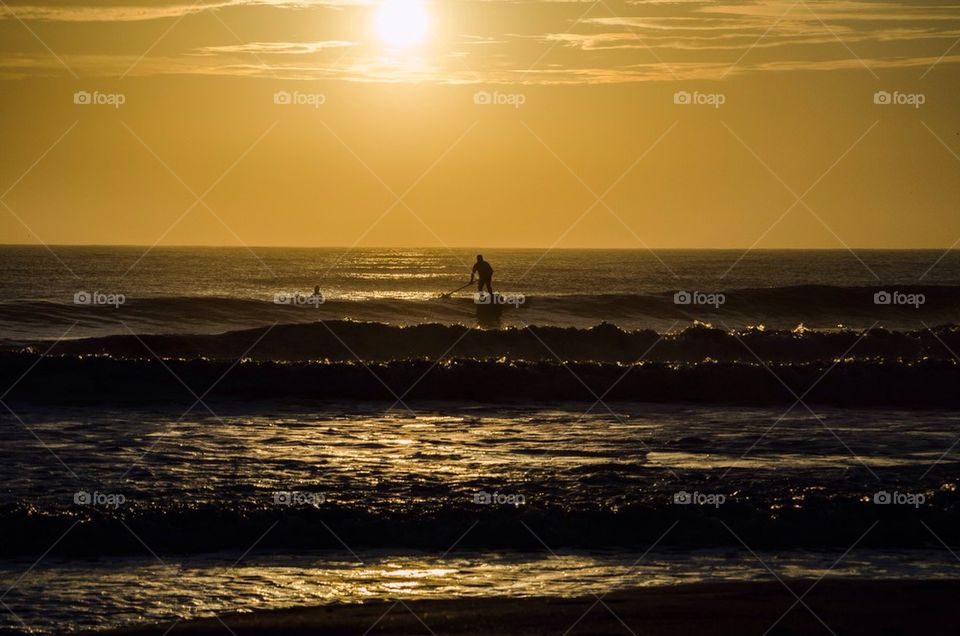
point(950, 248)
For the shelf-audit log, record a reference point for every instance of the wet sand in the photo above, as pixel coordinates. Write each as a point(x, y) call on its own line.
point(844, 607)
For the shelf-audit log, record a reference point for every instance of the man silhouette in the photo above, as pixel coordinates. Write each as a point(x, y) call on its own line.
point(482, 269)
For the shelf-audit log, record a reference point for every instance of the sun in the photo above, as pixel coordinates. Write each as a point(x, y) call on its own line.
point(402, 23)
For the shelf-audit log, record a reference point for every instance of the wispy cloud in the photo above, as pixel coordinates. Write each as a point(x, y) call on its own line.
point(132, 12)
point(277, 48)
point(379, 70)
point(532, 41)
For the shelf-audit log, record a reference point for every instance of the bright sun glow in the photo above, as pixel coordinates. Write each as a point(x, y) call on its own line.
point(402, 23)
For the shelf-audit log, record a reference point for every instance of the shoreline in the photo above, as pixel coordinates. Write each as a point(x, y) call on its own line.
point(845, 606)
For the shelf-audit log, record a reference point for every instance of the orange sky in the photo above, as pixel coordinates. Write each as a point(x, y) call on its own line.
point(584, 145)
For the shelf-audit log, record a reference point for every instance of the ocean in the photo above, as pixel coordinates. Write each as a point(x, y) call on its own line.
point(192, 430)
point(213, 290)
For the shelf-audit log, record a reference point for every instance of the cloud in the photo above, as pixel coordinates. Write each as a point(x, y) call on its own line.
point(73, 12)
point(644, 40)
point(374, 69)
point(278, 48)
point(739, 41)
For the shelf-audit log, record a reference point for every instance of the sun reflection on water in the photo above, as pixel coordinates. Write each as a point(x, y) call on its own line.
point(102, 593)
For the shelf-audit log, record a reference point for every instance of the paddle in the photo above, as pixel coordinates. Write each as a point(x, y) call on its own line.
point(449, 294)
